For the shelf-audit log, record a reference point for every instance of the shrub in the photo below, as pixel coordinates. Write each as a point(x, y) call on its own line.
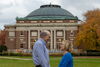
point(3, 48)
point(15, 54)
point(56, 54)
point(93, 53)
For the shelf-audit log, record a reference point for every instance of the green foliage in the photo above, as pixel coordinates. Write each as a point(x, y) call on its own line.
point(3, 48)
point(15, 54)
point(56, 54)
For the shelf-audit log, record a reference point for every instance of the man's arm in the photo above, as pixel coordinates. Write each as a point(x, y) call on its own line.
point(40, 52)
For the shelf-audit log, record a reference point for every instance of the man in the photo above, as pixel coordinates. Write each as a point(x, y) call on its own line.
point(40, 52)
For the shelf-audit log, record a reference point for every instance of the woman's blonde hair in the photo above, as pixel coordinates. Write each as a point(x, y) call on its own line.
point(67, 45)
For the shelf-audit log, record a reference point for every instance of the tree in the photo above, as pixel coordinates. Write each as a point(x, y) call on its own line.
point(2, 37)
point(3, 48)
point(88, 37)
point(2, 41)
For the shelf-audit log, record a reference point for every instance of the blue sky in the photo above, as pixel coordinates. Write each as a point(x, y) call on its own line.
point(10, 9)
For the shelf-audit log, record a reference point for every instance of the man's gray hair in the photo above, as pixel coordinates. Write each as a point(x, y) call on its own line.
point(44, 33)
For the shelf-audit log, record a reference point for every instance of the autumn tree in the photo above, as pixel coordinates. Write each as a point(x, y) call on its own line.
point(2, 37)
point(88, 37)
point(2, 41)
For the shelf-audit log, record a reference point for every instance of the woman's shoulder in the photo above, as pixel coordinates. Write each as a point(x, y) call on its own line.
point(68, 54)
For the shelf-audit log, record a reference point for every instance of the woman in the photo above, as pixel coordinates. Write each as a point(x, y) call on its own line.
point(67, 60)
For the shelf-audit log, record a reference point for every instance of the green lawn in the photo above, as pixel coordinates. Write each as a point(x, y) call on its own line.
point(54, 61)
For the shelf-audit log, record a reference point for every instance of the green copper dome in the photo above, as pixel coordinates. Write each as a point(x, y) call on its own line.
point(49, 12)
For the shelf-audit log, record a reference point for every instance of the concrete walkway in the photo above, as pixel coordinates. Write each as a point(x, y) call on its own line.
point(15, 58)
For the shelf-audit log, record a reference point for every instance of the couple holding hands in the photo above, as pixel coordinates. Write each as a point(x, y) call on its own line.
point(41, 55)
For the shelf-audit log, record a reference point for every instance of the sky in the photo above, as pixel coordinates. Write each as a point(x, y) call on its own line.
point(10, 9)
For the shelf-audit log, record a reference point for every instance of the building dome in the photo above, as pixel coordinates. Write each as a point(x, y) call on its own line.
point(50, 10)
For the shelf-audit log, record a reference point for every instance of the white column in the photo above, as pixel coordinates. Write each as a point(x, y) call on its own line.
point(38, 34)
point(51, 46)
point(64, 34)
point(29, 45)
point(54, 39)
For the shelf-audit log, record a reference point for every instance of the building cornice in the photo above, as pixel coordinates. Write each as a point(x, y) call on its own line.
point(42, 25)
point(48, 18)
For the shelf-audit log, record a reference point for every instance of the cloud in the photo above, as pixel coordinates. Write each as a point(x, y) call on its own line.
point(97, 5)
point(79, 7)
point(10, 9)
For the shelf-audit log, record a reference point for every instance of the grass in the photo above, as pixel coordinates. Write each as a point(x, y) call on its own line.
point(54, 61)
point(87, 62)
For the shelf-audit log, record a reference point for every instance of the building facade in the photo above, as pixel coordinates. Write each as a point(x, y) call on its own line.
point(61, 24)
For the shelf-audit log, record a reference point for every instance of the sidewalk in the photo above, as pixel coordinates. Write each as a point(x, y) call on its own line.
point(15, 58)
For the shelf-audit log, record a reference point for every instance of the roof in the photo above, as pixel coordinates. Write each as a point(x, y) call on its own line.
point(49, 12)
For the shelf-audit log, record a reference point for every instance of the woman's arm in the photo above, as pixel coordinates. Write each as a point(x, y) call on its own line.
point(64, 61)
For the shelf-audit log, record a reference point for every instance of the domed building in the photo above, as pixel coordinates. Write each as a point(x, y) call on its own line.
point(61, 23)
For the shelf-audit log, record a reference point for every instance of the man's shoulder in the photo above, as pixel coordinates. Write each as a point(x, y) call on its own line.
point(38, 42)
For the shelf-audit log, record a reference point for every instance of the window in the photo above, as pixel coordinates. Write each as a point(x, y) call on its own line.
point(33, 21)
point(21, 21)
point(22, 33)
point(71, 21)
point(53, 21)
point(59, 33)
point(11, 33)
point(21, 46)
point(59, 21)
point(46, 21)
point(21, 39)
point(34, 33)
